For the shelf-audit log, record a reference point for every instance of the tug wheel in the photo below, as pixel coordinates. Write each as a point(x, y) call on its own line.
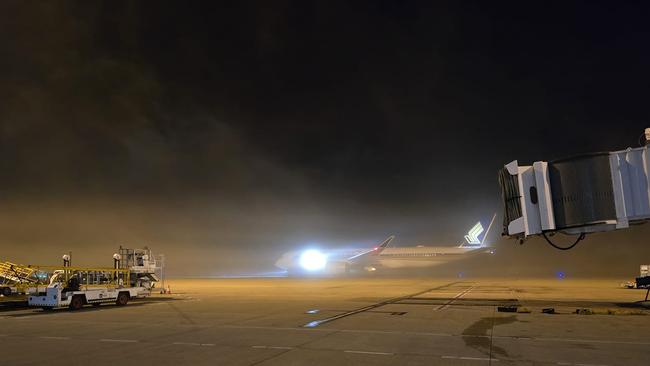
point(6, 291)
point(77, 302)
point(122, 299)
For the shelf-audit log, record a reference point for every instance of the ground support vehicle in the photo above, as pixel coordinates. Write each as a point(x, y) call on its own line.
point(56, 296)
point(133, 275)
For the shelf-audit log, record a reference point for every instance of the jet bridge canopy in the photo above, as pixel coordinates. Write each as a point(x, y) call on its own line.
point(582, 194)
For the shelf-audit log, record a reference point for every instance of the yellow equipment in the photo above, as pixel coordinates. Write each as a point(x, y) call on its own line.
point(89, 276)
point(16, 273)
point(15, 278)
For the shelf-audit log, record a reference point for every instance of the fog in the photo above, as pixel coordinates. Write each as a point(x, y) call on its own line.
point(202, 239)
point(225, 136)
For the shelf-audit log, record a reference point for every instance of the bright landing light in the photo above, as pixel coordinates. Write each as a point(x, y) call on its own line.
point(312, 260)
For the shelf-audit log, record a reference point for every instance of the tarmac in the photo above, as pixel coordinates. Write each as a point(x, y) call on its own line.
point(349, 321)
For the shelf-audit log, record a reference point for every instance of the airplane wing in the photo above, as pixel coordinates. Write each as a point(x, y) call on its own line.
point(376, 250)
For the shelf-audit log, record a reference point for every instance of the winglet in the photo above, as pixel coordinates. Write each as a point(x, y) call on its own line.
point(374, 251)
point(385, 243)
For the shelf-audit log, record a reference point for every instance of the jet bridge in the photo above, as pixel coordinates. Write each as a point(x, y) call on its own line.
point(577, 195)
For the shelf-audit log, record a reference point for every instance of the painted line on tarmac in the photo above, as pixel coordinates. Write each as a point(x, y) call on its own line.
point(272, 347)
point(23, 317)
point(458, 296)
point(316, 323)
point(194, 344)
point(274, 328)
point(431, 334)
point(467, 358)
point(470, 358)
point(370, 353)
point(118, 340)
point(575, 340)
point(369, 331)
point(402, 333)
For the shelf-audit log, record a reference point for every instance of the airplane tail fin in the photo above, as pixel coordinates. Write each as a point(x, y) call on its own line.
point(472, 237)
point(488, 229)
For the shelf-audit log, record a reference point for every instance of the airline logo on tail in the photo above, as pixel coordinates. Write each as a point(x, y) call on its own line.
point(473, 234)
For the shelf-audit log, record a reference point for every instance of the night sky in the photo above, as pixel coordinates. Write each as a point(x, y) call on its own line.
point(225, 133)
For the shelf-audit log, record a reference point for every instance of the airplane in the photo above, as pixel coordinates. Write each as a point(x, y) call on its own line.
point(382, 257)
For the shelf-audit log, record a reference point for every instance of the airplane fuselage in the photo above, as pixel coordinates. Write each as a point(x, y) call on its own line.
point(420, 256)
point(388, 258)
point(313, 261)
